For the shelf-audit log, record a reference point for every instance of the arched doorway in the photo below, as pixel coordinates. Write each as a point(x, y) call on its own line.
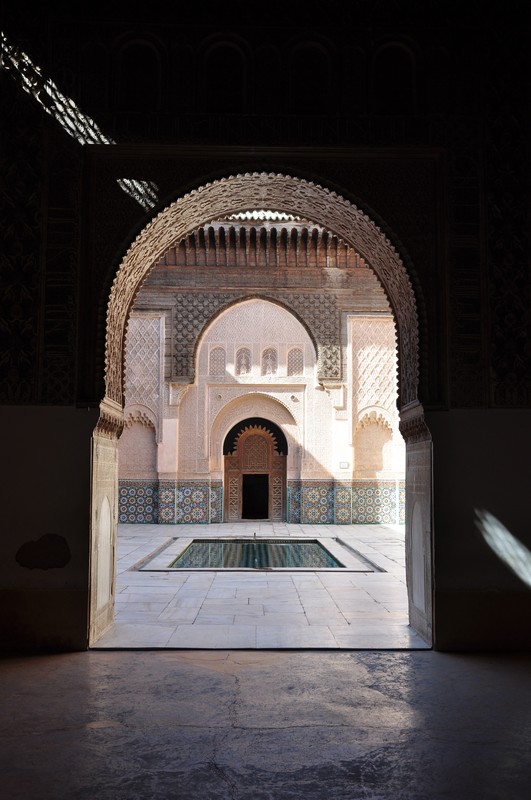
point(307, 200)
point(254, 454)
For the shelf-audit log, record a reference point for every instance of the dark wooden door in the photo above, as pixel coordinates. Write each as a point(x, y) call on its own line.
point(255, 478)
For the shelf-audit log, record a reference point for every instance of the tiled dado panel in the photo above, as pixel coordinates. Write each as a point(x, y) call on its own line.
point(378, 502)
point(317, 502)
point(216, 501)
point(343, 503)
point(294, 501)
point(138, 501)
point(167, 493)
point(166, 502)
point(192, 502)
point(309, 502)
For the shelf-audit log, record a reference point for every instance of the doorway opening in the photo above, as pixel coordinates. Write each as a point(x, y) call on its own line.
point(255, 496)
point(218, 200)
point(254, 455)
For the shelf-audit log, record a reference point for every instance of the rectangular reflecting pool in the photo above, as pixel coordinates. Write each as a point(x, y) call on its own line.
point(255, 554)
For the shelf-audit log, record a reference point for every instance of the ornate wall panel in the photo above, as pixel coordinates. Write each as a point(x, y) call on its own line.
point(318, 310)
point(295, 361)
point(374, 369)
point(143, 367)
point(277, 496)
point(138, 502)
point(217, 361)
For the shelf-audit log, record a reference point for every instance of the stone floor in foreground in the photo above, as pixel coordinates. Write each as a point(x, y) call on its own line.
point(266, 725)
point(360, 608)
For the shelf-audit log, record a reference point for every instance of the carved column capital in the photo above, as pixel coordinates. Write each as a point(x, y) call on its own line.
point(111, 421)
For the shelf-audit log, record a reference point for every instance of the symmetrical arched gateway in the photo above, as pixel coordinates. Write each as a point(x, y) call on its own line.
point(257, 444)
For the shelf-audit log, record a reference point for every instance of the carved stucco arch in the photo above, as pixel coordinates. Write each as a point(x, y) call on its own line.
point(254, 404)
point(243, 193)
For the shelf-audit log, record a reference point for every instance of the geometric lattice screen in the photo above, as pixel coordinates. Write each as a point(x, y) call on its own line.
point(374, 364)
point(143, 362)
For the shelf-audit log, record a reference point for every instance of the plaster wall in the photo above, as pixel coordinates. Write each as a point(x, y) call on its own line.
point(44, 547)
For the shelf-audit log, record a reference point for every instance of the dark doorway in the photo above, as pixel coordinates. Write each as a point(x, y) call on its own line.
point(255, 496)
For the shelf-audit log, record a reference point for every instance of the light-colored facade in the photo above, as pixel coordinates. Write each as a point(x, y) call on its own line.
point(259, 396)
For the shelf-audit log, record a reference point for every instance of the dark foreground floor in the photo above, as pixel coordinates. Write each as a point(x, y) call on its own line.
point(120, 725)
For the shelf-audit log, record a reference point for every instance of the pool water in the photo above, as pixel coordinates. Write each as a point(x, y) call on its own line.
point(255, 554)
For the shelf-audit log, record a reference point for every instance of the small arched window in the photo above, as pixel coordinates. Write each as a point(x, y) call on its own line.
point(216, 364)
point(269, 361)
point(243, 361)
point(295, 361)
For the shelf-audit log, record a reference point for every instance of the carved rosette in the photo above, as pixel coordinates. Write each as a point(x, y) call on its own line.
point(282, 193)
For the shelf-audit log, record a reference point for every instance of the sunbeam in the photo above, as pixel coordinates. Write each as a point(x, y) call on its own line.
point(68, 115)
point(511, 551)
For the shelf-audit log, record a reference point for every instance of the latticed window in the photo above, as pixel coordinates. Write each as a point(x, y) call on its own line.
point(269, 361)
point(243, 361)
point(216, 364)
point(295, 361)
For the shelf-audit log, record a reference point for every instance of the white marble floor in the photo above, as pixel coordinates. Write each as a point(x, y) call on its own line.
point(361, 607)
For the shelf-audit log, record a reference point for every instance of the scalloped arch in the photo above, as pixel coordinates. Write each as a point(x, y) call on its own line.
point(374, 416)
point(250, 429)
point(280, 193)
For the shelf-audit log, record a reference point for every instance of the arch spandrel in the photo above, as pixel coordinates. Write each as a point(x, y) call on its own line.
point(282, 193)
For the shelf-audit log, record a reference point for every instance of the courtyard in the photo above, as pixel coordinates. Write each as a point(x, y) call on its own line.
point(360, 606)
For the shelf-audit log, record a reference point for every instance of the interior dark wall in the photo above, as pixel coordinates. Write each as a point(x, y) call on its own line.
point(45, 526)
point(480, 462)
